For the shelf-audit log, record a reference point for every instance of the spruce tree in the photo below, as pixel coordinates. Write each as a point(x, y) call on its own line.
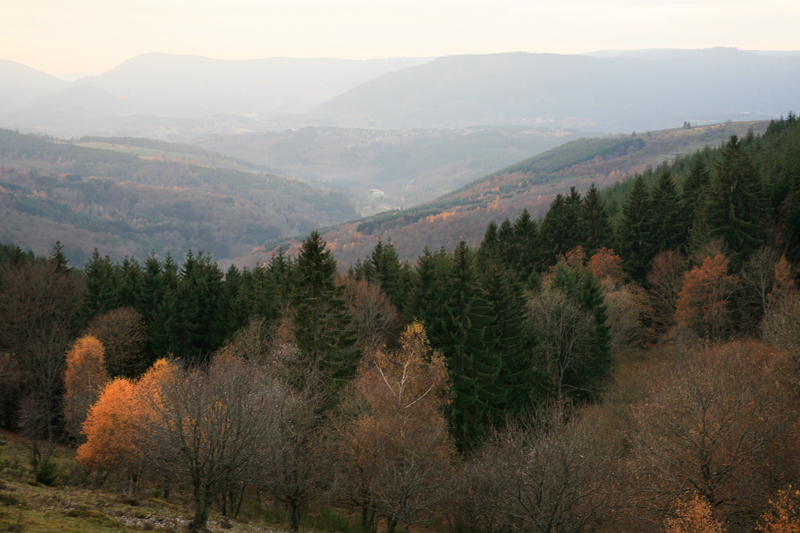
point(466, 342)
point(100, 291)
point(634, 231)
point(320, 320)
point(596, 222)
point(518, 379)
point(489, 249)
point(667, 221)
point(526, 244)
point(694, 190)
point(555, 229)
point(736, 207)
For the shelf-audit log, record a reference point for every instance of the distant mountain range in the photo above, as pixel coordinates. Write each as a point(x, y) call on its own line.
point(179, 97)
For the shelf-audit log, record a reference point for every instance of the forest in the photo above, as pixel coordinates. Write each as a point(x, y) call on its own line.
point(628, 362)
point(129, 203)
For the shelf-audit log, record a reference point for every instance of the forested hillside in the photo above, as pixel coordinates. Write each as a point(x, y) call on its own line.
point(627, 368)
point(133, 196)
point(388, 169)
point(530, 184)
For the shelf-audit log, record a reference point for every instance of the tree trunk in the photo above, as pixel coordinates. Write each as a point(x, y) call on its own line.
point(293, 514)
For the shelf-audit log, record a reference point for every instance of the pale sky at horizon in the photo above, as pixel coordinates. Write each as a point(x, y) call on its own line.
point(58, 36)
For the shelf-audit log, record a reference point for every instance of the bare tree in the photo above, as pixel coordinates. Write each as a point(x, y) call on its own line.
point(207, 427)
point(300, 466)
point(38, 309)
point(565, 333)
point(123, 334)
point(374, 317)
point(553, 475)
point(719, 424)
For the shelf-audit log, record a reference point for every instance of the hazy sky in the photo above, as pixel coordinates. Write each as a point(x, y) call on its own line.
point(62, 36)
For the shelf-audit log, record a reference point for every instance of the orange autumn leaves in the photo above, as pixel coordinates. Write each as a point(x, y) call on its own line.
point(703, 303)
point(112, 424)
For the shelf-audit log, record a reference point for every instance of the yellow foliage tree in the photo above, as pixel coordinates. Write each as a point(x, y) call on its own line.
point(694, 516)
point(784, 516)
point(85, 376)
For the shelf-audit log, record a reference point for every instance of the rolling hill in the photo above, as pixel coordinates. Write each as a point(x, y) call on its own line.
point(649, 90)
point(388, 169)
point(127, 197)
point(529, 184)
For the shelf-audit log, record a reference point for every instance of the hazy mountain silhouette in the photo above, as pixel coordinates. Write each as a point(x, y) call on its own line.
point(647, 90)
point(20, 84)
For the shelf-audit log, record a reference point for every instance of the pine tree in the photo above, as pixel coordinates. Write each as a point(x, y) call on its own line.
point(694, 191)
point(489, 250)
point(430, 289)
point(390, 274)
point(597, 224)
point(736, 207)
point(320, 320)
point(555, 230)
point(582, 285)
point(466, 342)
point(100, 292)
point(634, 231)
point(58, 259)
point(519, 378)
point(667, 221)
point(526, 244)
point(128, 280)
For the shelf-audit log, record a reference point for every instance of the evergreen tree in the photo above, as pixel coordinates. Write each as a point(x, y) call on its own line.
point(128, 280)
point(526, 245)
point(634, 231)
point(736, 207)
point(58, 259)
point(518, 379)
point(100, 292)
point(390, 274)
point(667, 221)
point(430, 289)
point(489, 250)
point(555, 230)
point(694, 191)
point(466, 342)
point(320, 320)
point(575, 221)
point(596, 222)
point(582, 285)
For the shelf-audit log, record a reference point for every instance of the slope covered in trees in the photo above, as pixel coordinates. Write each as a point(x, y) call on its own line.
point(531, 184)
point(130, 199)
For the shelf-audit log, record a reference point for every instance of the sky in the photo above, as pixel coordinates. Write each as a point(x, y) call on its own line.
point(92, 36)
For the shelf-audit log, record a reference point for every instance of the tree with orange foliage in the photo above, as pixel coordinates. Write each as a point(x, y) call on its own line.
point(403, 444)
point(112, 427)
point(110, 430)
point(607, 265)
point(85, 376)
point(703, 302)
point(784, 516)
point(693, 516)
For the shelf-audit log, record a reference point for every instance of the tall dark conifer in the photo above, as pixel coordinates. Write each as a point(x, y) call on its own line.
point(596, 222)
point(736, 205)
point(667, 220)
point(526, 243)
point(320, 319)
point(634, 231)
point(466, 342)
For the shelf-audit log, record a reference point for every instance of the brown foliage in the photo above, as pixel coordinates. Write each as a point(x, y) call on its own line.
point(85, 376)
point(555, 475)
point(401, 446)
point(628, 310)
point(693, 516)
point(665, 282)
point(123, 334)
point(374, 316)
point(720, 423)
point(607, 265)
point(703, 302)
point(784, 513)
